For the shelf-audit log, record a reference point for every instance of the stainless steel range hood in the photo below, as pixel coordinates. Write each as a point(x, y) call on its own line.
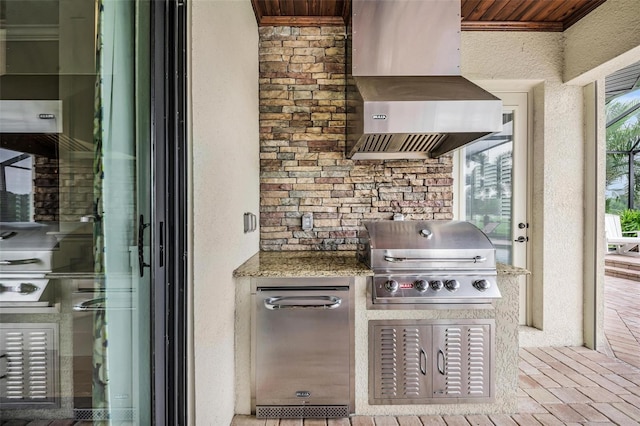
point(406, 97)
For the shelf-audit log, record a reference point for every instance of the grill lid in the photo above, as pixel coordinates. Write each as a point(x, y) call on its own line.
point(427, 245)
point(425, 235)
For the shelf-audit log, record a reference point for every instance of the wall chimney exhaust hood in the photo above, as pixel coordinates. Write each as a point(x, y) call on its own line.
point(406, 97)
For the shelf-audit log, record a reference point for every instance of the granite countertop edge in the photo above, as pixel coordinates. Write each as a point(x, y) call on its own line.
point(319, 264)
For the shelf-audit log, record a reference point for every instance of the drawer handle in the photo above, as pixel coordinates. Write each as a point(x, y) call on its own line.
point(273, 303)
point(474, 259)
point(423, 368)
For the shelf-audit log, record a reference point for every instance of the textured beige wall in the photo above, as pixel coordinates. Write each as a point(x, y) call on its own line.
point(225, 165)
point(604, 41)
point(557, 177)
point(557, 65)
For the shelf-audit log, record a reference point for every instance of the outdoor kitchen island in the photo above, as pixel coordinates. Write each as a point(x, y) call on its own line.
point(319, 264)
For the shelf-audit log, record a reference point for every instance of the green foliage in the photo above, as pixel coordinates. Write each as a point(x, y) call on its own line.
point(622, 148)
point(615, 205)
point(630, 220)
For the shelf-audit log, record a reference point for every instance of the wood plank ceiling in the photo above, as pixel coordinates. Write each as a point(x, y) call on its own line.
point(477, 15)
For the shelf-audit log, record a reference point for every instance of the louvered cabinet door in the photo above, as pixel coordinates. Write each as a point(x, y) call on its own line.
point(399, 365)
point(462, 360)
point(28, 365)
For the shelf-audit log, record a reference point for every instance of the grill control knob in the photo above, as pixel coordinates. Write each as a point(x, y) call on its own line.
point(436, 285)
point(391, 286)
point(452, 285)
point(421, 285)
point(482, 285)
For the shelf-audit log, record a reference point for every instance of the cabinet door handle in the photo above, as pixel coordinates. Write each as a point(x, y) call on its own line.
point(4, 376)
point(440, 366)
point(423, 368)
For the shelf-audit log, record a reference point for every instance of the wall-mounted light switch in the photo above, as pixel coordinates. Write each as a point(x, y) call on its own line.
point(307, 221)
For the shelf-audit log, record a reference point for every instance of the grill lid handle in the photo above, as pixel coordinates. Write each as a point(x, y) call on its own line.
point(475, 259)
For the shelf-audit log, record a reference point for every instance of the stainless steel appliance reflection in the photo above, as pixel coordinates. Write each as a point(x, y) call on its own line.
point(303, 347)
point(29, 348)
point(90, 302)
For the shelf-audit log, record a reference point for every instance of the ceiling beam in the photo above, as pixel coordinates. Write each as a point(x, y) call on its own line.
point(512, 26)
point(301, 21)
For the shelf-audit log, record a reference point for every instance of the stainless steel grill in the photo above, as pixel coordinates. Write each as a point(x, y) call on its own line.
point(432, 264)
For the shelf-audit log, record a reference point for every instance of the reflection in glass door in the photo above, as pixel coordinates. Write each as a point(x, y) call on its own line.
point(494, 198)
point(75, 210)
point(488, 167)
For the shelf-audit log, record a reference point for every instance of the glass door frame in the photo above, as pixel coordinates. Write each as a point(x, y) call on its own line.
point(519, 104)
point(169, 217)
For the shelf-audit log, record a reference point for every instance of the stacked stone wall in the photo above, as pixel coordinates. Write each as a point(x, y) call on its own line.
point(302, 151)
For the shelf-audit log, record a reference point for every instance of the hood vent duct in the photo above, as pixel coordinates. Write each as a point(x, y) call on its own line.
point(406, 97)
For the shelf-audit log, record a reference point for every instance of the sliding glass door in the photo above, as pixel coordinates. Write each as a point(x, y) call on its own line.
point(78, 211)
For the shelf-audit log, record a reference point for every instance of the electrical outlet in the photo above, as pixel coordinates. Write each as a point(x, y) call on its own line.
point(307, 221)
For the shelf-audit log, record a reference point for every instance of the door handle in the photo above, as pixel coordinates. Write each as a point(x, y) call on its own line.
point(141, 227)
point(521, 239)
point(4, 375)
point(423, 355)
point(440, 366)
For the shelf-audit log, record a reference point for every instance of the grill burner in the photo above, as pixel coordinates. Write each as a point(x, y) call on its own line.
point(433, 264)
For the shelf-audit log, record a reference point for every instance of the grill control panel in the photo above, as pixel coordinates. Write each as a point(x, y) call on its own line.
point(434, 289)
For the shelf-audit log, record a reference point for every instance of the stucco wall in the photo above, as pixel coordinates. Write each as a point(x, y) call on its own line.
point(556, 233)
point(225, 184)
point(604, 41)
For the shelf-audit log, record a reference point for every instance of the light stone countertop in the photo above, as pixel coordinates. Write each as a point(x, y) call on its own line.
point(504, 269)
point(319, 264)
point(303, 264)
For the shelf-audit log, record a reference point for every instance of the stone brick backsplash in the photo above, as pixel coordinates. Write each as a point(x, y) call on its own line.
point(76, 188)
point(46, 197)
point(302, 142)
